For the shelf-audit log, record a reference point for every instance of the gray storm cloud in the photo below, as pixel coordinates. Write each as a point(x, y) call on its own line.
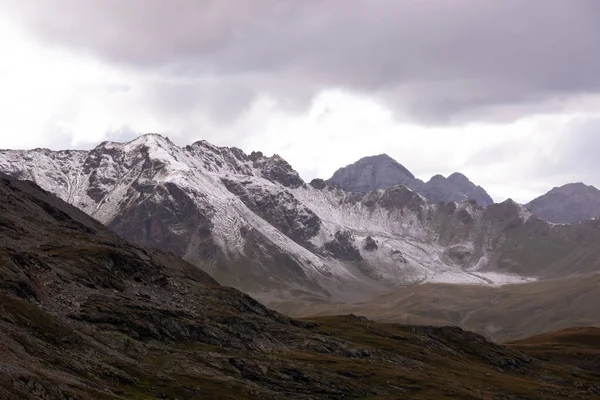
point(436, 61)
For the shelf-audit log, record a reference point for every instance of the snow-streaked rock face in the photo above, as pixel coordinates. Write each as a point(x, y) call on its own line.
point(251, 222)
point(382, 172)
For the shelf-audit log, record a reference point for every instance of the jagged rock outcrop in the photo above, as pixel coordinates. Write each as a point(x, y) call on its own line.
point(370, 244)
point(276, 169)
point(318, 183)
point(571, 203)
point(343, 247)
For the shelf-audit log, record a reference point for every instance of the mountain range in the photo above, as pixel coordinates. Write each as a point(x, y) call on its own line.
point(87, 315)
point(251, 222)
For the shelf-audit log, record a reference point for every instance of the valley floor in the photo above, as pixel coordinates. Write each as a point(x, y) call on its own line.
point(501, 314)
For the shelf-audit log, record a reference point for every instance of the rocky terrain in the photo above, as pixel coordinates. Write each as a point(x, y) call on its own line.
point(571, 203)
point(382, 172)
point(86, 315)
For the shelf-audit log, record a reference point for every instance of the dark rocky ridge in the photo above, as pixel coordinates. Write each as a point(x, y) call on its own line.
point(374, 172)
point(382, 172)
point(456, 187)
point(86, 315)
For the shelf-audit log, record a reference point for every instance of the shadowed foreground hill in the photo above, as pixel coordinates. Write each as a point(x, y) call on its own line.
point(85, 315)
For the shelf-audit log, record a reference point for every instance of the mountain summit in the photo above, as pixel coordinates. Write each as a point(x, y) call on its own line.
point(382, 172)
point(574, 202)
point(456, 187)
point(374, 172)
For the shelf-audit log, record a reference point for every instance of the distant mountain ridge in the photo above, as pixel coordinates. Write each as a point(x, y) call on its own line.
point(374, 172)
point(570, 203)
point(382, 171)
point(456, 187)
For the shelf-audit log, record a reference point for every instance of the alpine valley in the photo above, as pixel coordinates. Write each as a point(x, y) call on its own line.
point(371, 236)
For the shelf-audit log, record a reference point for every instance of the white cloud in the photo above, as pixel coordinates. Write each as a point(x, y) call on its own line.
point(51, 97)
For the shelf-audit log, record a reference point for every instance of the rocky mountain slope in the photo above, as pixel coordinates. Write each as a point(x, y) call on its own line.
point(252, 223)
point(382, 172)
point(86, 315)
point(574, 202)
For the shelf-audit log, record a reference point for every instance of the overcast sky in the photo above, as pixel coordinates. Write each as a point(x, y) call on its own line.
point(505, 91)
